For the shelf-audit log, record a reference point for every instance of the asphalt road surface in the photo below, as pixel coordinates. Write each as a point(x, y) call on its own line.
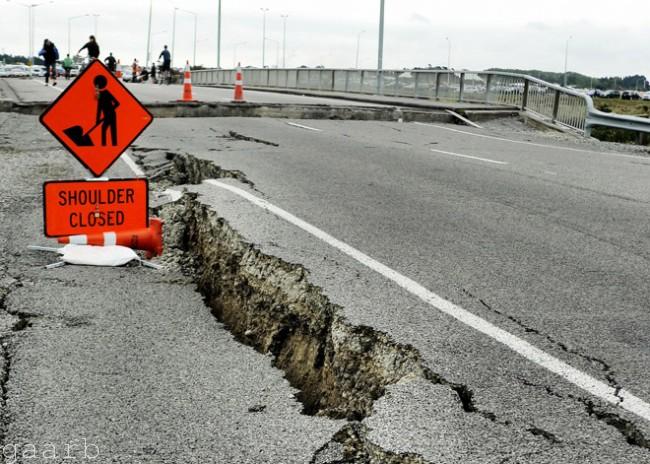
point(542, 237)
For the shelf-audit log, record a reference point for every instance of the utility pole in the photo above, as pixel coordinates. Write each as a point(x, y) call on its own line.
point(264, 10)
point(356, 61)
point(380, 52)
point(173, 35)
point(219, 37)
point(284, 40)
point(566, 61)
point(149, 34)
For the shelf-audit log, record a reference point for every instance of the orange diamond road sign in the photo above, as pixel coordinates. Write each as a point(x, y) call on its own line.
point(96, 118)
point(95, 206)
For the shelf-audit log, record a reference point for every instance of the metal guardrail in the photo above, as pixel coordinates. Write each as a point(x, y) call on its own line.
point(549, 102)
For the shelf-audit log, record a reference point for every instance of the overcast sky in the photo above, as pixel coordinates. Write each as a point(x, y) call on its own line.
point(612, 39)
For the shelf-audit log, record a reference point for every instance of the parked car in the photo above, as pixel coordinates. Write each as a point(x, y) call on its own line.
point(613, 94)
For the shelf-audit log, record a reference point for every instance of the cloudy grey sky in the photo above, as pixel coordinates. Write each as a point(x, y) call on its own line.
point(606, 40)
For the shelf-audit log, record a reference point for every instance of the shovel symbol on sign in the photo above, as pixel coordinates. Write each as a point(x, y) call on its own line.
point(106, 105)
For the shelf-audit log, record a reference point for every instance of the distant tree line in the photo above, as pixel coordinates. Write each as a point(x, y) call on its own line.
point(18, 59)
point(636, 82)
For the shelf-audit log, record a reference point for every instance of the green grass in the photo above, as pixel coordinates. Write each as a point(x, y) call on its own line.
point(626, 107)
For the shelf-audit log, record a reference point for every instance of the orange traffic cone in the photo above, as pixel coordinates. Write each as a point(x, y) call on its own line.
point(149, 239)
point(187, 84)
point(239, 86)
point(118, 70)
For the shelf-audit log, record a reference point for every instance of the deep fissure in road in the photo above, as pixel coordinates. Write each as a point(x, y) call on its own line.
point(270, 305)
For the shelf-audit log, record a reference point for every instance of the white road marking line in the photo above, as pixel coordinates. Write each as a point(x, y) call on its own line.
point(555, 147)
point(126, 157)
point(468, 156)
point(304, 127)
point(621, 398)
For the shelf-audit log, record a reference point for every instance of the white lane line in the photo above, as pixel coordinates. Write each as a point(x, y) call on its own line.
point(468, 156)
point(304, 127)
point(520, 142)
point(621, 398)
point(126, 157)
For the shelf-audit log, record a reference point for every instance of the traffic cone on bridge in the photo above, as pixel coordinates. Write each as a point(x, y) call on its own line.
point(239, 86)
point(187, 84)
point(149, 239)
point(118, 71)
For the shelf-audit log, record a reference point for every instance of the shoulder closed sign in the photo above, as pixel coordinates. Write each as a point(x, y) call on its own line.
point(90, 207)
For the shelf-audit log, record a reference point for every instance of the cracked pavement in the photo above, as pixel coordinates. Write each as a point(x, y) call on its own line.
point(559, 260)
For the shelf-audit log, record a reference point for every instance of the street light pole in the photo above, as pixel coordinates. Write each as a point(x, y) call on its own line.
point(31, 23)
point(196, 18)
point(95, 16)
point(356, 61)
point(566, 60)
point(380, 53)
point(173, 35)
point(284, 40)
point(70, 30)
point(448, 60)
point(264, 10)
point(234, 53)
point(219, 37)
point(149, 34)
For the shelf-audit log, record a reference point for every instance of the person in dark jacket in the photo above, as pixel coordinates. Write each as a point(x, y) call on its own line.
point(111, 62)
point(50, 54)
point(92, 47)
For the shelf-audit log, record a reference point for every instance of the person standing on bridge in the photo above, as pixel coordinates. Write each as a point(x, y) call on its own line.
point(111, 62)
point(166, 60)
point(50, 54)
point(92, 47)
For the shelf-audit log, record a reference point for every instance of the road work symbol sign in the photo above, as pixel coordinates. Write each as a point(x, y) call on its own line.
point(92, 207)
point(96, 118)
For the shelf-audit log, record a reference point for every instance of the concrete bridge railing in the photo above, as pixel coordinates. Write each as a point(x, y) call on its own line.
point(552, 103)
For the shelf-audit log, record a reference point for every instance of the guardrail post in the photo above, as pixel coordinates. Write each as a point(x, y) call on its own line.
point(437, 94)
point(268, 77)
point(333, 80)
point(396, 85)
point(524, 100)
point(363, 74)
point(347, 80)
point(556, 105)
point(461, 90)
point(488, 87)
point(416, 78)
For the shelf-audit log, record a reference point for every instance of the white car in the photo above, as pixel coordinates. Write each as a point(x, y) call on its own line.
point(38, 70)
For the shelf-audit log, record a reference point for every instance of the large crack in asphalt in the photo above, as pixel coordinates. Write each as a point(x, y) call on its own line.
point(339, 369)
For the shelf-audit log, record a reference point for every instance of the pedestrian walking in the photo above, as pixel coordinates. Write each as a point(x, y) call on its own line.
point(153, 73)
point(111, 62)
point(92, 47)
point(165, 67)
point(67, 65)
point(50, 54)
point(134, 70)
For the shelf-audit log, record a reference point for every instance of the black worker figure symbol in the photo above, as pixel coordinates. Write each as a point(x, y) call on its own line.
point(106, 106)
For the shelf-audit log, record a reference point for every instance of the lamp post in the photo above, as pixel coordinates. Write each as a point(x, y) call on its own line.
point(70, 19)
point(356, 61)
point(149, 34)
point(380, 52)
point(448, 60)
point(219, 36)
point(566, 60)
point(284, 40)
point(31, 22)
point(277, 51)
point(196, 17)
point(234, 53)
point(173, 35)
point(95, 16)
point(264, 10)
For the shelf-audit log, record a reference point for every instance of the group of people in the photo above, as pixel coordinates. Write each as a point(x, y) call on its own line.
point(142, 74)
point(50, 55)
